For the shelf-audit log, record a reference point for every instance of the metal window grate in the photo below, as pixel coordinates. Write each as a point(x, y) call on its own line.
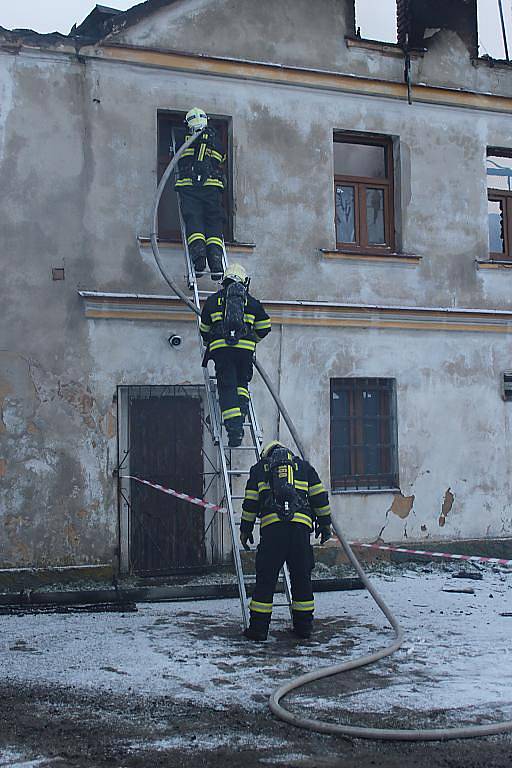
point(506, 385)
point(364, 453)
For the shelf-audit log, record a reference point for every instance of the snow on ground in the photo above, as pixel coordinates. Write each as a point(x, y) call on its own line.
point(456, 653)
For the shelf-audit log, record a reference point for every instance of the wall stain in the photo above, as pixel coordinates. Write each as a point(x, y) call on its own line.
point(448, 500)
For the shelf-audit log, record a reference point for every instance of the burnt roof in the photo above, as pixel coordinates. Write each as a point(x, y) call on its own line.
point(100, 22)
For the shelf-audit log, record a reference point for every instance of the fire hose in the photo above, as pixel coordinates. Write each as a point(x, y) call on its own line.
point(387, 734)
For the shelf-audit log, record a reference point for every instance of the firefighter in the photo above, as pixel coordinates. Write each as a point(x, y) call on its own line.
point(200, 186)
point(232, 323)
point(285, 492)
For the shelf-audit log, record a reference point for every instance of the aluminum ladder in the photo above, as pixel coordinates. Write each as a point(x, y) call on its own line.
point(227, 455)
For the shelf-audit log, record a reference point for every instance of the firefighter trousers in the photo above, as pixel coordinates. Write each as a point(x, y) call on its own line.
point(233, 369)
point(204, 220)
point(279, 543)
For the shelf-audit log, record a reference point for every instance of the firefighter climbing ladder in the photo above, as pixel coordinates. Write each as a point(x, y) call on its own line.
point(226, 455)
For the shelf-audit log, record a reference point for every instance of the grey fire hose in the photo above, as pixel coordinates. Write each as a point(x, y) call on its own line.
point(386, 734)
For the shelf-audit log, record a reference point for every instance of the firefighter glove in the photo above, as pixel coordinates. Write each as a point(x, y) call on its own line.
point(246, 538)
point(324, 532)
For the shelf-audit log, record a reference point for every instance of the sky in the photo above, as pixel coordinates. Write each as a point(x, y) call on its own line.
point(377, 18)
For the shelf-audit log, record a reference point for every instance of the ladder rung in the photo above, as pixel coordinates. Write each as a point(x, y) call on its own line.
point(237, 497)
point(238, 471)
point(241, 448)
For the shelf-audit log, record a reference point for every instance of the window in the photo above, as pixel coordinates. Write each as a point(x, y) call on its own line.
point(168, 220)
point(506, 386)
point(499, 206)
point(364, 440)
point(363, 191)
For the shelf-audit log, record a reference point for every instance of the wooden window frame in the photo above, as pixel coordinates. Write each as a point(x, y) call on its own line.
point(504, 197)
point(355, 479)
point(163, 159)
point(361, 184)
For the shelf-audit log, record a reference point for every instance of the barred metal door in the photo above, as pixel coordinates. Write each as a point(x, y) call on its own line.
point(166, 534)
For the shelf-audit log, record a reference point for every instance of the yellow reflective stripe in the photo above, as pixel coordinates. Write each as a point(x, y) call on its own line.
point(263, 487)
point(261, 324)
point(302, 485)
point(196, 236)
point(187, 152)
point(202, 150)
point(216, 316)
point(215, 154)
point(214, 241)
point(183, 183)
point(213, 183)
point(248, 317)
point(242, 344)
point(243, 392)
point(203, 327)
point(250, 494)
point(314, 490)
point(257, 607)
point(268, 519)
point(303, 605)
point(231, 413)
point(299, 517)
point(320, 511)
point(249, 517)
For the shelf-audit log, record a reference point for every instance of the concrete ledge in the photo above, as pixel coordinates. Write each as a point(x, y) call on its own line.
point(30, 578)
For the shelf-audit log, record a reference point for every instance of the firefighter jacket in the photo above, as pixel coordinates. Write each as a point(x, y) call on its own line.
point(201, 164)
point(255, 318)
point(258, 497)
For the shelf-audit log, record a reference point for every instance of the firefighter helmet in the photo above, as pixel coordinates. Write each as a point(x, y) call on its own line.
point(196, 119)
point(237, 274)
point(267, 450)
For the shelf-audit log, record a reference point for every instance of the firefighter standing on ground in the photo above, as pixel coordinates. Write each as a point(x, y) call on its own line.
point(285, 492)
point(200, 186)
point(232, 323)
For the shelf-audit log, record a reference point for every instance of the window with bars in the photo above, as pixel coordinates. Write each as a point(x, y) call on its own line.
point(363, 193)
point(168, 220)
point(499, 195)
point(364, 442)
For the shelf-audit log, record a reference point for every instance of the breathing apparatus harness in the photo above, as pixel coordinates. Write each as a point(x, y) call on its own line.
point(284, 499)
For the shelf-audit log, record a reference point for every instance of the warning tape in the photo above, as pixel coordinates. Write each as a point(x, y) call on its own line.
point(357, 544)
point(177, 494)
point(445, 555)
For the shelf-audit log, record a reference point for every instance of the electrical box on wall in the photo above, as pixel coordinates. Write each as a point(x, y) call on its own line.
point(506, 385)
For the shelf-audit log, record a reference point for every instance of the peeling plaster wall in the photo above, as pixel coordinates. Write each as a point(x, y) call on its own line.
point(78, 148)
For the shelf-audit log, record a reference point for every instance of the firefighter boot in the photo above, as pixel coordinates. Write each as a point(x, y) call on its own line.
point(197, 252)
point(235, 436)
point(214, 256)
point(303, 628)
point(257, 629)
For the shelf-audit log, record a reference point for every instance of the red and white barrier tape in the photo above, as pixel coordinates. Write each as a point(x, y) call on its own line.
point(177, 494)
point(357, 544)
point(445, 555)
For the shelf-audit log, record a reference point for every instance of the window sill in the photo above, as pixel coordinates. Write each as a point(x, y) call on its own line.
point(388, 256)
point(493, 264)
point(389, 49)
point(230, 246)
point(344, 491)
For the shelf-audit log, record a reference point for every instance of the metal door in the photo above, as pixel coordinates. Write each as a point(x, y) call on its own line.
point(166, 534)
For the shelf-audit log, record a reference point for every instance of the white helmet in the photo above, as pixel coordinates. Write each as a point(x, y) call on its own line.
point(267, 450)
point(196, 119)
point(237, 274)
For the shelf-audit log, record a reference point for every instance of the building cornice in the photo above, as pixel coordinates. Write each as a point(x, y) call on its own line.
point(154, 307)
point(280, 74)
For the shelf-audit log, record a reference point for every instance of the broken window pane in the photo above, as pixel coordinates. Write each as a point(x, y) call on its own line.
point(366, 160)
point(345, 214)
point(499, 172)
point(496, 238)
point(375, 216)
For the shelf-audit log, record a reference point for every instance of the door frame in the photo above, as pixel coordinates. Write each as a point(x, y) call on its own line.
point(213, 526)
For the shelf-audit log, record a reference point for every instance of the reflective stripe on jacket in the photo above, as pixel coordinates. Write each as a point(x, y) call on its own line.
point(255, 317)
point(200, 164)
point(308, 485)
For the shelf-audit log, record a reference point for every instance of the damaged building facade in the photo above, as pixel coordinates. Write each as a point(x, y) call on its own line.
point(373, 211)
